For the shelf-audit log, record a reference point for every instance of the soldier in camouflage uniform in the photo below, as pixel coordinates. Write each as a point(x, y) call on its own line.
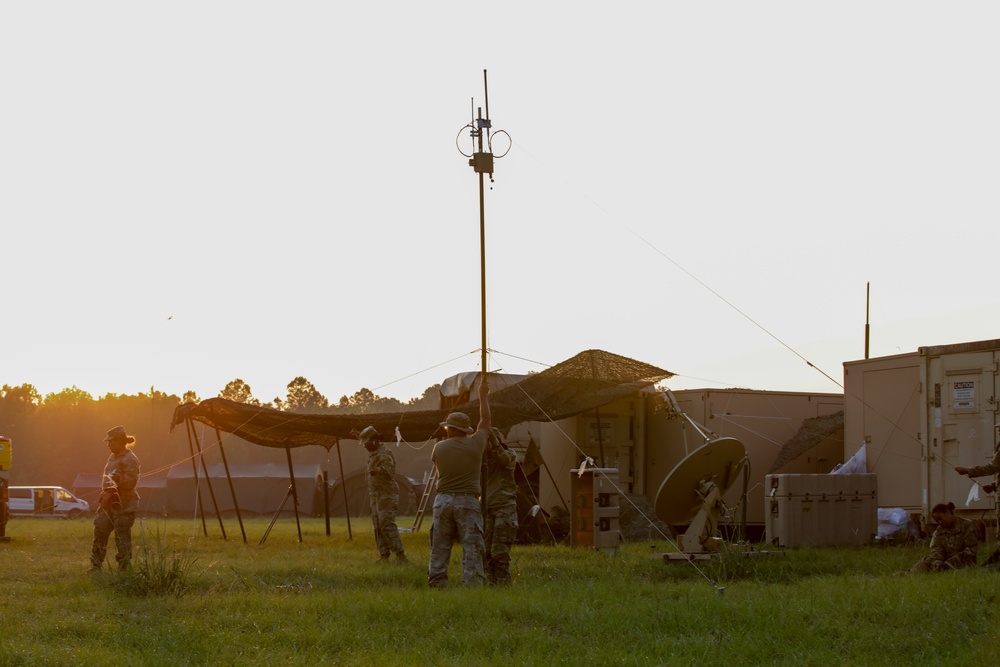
point(991, 468)
point(458, 516)
point(953, 545)
point(118, 502)
point(501, 509)
point(383, 494)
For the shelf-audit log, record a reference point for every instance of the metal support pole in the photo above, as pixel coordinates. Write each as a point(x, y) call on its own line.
point(232, 490)
point(343, 487)
point(208, 480)
point(194, 466)
point(295, 495)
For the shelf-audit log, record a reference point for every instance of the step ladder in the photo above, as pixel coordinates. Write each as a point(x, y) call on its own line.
point(429, 485)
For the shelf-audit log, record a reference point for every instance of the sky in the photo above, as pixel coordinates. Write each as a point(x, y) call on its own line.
point(195, 192)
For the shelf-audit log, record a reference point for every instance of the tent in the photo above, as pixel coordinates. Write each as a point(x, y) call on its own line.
point(589, 380)
point(260, 489)
point(584, 382)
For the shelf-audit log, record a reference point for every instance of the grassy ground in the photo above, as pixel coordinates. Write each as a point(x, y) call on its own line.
point(326, 601)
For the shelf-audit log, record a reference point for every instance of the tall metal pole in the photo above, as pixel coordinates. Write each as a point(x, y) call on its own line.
point(868, 300)
point(481, 160)
point(482, 163)
point(482, 262)
point(482, 218)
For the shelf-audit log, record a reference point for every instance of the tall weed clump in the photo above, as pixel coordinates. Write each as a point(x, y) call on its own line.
point(158, 568)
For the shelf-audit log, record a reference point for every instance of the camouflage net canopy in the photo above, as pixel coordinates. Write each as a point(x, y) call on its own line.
point(587, 381)
point(811, 433)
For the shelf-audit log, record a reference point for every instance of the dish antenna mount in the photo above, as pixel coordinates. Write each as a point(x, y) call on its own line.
point(692, 493)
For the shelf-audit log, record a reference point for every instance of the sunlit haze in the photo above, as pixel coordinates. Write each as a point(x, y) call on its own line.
point(197, 192)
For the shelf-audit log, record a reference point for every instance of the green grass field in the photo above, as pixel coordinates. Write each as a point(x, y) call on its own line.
point(325, 601)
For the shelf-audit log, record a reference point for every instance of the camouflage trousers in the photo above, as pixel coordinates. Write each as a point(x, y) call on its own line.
point(384, 507)
point(501, 531)
point(928, 564)
point(457, 519)
point(119, 523)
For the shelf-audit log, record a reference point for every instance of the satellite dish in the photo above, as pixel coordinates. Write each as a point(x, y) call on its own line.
point(692, 492)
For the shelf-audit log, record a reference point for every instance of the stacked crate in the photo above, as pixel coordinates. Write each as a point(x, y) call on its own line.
point(594, 508)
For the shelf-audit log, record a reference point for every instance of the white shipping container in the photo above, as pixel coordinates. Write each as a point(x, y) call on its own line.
point(920, 415)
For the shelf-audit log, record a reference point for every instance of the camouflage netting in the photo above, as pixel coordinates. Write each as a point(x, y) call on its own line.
point(811, 433)
point(589, 380)
point(638, 521)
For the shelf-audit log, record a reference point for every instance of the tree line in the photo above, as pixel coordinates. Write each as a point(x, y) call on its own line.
point(60, 435)
point(303, 397)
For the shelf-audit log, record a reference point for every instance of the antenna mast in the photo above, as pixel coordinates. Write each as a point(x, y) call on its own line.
point(868, 300)
point(481, 161)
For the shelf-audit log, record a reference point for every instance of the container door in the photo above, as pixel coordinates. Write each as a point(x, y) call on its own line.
point(891, 413)
point(963, 397)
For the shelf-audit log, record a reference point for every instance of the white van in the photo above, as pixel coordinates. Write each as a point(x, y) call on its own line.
point(45, 501)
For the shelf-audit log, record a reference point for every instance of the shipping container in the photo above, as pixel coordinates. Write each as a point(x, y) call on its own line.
point(919, 415)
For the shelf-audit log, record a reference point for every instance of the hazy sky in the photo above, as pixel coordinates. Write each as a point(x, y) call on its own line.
point(192, 192)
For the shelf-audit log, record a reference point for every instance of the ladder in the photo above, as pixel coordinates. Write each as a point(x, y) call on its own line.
point(424, 499)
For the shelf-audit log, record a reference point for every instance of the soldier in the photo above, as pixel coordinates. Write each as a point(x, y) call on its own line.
point(501, 509)
point(383, 494)
point(458, 516)
point(118, 502)
point(954, 544)
point(991, 468)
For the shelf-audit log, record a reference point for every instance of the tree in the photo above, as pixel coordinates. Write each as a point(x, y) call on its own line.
point(71, 396)
point(360, 402)
point(365, 401)
point(239, 391)
point(303, 397)
point(18, 403)
point(190, 397)
point(430, 400)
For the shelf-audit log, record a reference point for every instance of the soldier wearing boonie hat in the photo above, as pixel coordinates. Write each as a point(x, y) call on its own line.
point(118, 502)
point(458, 421)
point(458, 515)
